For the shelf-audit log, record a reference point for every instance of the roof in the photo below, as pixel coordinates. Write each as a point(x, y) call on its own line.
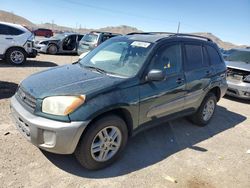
point(155, 36)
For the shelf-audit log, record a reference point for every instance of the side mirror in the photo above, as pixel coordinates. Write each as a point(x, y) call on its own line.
point(155, 75)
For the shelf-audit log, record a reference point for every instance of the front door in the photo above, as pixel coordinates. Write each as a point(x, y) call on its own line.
point(162, 98)
point(69, 43)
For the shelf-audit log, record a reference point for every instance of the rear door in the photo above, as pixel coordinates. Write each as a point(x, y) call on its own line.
point(198, 73)
point(162, 98)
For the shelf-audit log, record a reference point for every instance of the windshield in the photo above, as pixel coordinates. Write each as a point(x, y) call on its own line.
point(243, 56)
point(59, 36)
point(90, 38)
point(121, 57)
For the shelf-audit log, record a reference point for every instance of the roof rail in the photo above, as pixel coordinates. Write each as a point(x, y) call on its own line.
point(173, 34)
point(149, 33)
point(193, 36)
point(104, 32)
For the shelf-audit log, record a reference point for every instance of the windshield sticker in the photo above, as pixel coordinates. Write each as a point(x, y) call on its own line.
point(140, 44)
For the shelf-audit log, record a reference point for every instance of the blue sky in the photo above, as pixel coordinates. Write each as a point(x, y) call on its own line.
point(227, 19)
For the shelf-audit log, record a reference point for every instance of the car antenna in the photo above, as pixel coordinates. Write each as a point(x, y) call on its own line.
point(178, 29)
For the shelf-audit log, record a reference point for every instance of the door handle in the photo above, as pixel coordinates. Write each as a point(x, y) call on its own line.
point(179, 80)
point(8, 38)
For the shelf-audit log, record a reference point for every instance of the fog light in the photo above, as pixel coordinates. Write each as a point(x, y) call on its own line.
point(49, 138)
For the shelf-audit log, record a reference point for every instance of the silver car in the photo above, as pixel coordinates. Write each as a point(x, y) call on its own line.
point(60, 43)
point(238, 73)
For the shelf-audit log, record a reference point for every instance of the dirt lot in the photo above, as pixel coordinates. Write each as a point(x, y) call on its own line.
point(175, 154)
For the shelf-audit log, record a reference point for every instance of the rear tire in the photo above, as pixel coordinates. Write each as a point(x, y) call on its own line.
point(206, 110)
point(52, 49)
point(102, 143)
point(16, 56)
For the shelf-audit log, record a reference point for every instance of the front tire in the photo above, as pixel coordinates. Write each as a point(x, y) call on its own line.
point(206, 110)
point(52, 49)
point(16, 56)
point(102, 143)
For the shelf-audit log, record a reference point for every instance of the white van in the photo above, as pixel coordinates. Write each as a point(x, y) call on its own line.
point(16, 43)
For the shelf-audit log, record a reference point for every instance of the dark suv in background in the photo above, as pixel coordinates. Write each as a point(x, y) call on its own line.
point(125, 85)
point(93, 39)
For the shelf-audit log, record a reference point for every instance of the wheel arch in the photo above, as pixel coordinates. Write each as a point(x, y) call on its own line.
point(217, 92)
point(11, 47)
point(120, 112)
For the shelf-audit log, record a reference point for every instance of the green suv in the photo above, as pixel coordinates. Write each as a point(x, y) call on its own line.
point(127, 84)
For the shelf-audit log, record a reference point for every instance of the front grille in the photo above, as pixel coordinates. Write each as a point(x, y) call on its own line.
point(26, 98)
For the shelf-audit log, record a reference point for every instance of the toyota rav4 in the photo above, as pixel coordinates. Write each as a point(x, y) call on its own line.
point(125, 85)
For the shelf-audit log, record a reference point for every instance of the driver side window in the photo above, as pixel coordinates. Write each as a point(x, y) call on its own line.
point(168, 59)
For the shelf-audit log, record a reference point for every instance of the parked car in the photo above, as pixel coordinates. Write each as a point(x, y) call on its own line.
point(238, 74)
point(127, 84)
point(61, 43)
point(16, 43)
point(43, 32)
point(93, 39)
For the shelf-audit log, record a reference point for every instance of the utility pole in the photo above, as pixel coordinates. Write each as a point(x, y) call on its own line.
point(178, 29)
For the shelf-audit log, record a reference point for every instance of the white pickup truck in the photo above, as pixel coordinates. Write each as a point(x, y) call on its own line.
point(16, 43)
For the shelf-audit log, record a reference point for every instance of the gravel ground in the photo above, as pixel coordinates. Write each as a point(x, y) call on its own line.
point(175, 154)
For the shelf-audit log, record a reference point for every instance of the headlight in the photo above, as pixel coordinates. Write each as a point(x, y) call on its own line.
point(44, 42)
point(247, 78)
point(62, 105)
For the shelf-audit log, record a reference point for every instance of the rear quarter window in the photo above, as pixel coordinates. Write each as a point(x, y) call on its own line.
point(214, 55)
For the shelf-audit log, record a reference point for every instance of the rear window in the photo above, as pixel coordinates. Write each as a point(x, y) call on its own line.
point(90, 38)
point(214, 55)
point(193, 57)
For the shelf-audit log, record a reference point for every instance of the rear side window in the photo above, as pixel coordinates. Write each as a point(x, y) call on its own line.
point(214, 56)
point(7, 30)
point(3, 29)
point(14, 31)
point(193, 57)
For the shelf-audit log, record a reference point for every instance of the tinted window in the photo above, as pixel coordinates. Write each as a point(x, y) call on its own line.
point(7, 30)
point(168, 59)
point(205, 57)
point(214, 56)
point(14, 31)
point(3, 29)
point(193, 57)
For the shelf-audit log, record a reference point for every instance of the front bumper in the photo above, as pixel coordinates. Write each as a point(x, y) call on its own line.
point(41, 48)
point(50, 135)
point(238, 89)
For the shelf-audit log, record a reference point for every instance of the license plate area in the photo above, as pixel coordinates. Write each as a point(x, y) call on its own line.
point(21, 125)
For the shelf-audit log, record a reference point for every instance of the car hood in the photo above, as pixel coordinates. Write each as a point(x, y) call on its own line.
point(67, 80)
point(238, 65)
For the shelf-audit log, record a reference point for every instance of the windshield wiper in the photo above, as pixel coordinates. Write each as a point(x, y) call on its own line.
point(96, 69)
